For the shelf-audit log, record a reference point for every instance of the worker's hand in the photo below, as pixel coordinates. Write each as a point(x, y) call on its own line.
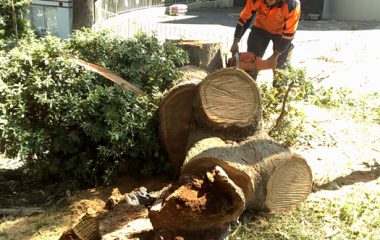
point(272, 60)
point(235, 46)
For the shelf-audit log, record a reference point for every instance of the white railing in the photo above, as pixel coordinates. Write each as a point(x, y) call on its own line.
point(122, 6)
point(128, 24)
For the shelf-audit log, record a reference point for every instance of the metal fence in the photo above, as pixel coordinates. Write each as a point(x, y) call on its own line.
point(117, 15)
point(121, 6)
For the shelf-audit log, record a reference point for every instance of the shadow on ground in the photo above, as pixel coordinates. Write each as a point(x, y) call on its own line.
point(352, 178)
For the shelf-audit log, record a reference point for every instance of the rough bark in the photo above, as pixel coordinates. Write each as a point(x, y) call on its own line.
point(86, 228)
point(228, 101)
point(126, 221)
point(206, 55)
point(271, 177)
point(125, 217)
point(176, 114)
point(83, 14)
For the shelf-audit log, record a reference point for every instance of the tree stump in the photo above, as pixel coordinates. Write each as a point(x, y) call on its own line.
point(206, 55)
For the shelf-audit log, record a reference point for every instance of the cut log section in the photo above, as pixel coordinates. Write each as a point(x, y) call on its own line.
point(176, 114)
point(228, 101)
point(87, 228)
point(206, 55)
point(200, 204)
point(125, 222)
point(271, 177)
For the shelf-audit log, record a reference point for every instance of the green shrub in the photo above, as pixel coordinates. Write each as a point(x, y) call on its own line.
point(7, 14)
point(284, 121)
point(68, 123)
point(143, 62)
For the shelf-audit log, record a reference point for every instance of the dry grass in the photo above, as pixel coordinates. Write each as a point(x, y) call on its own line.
point(49, 225)
point(349, 213)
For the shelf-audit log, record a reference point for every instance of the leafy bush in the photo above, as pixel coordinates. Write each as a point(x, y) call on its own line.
point(8, 15)
point(143, 62)
point(68, 123)
point(283, 119)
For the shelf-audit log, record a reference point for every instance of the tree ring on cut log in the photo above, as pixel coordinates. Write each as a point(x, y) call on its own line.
point(289, 185)
point(229, 99)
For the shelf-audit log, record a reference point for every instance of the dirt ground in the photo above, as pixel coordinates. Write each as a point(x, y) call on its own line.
point(335, 54)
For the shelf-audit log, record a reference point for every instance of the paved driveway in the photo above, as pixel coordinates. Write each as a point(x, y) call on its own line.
point(334, 53)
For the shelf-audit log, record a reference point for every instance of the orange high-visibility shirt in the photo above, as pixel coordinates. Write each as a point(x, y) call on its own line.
point(281, 18)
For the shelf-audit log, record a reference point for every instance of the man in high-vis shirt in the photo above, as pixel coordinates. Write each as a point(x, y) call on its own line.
point(276, 21)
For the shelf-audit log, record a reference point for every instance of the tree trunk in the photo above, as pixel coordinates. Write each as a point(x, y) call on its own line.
point(14, 21)
point(271, 177)
point(83, 14)
point(206, 55)
point(228, 101)
point(220, 179)
point(176, 114)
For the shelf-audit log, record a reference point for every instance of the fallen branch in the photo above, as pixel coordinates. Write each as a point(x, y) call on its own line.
point(107, 74)
point(282, 114)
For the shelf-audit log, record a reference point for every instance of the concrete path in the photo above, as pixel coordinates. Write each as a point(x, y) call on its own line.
point(336, 54)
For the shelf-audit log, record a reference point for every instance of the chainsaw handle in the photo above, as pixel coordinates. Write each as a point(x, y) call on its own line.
point(237, 59)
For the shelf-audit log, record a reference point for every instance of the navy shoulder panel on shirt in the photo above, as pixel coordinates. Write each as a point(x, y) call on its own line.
point(292, 4)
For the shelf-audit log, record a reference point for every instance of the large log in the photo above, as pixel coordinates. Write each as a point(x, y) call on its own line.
point(175, 114)
point(229, 165)
point(228, 177)
point(272, 178)
point(228, 102)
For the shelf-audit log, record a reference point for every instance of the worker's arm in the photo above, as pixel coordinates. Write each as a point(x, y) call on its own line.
point(290, 26)
point(245, 20)
point(241, 29)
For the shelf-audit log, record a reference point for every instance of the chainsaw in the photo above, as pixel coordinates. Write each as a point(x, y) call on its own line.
point(249, 62)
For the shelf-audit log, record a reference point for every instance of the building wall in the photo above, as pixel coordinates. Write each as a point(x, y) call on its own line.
point(352, 10)
point(54, 16)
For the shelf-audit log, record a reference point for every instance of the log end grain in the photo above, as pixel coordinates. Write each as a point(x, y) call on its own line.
point(229, 99)
point(289, 185)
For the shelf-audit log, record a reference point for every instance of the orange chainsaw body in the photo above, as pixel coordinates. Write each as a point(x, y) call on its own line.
point(249, 62)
